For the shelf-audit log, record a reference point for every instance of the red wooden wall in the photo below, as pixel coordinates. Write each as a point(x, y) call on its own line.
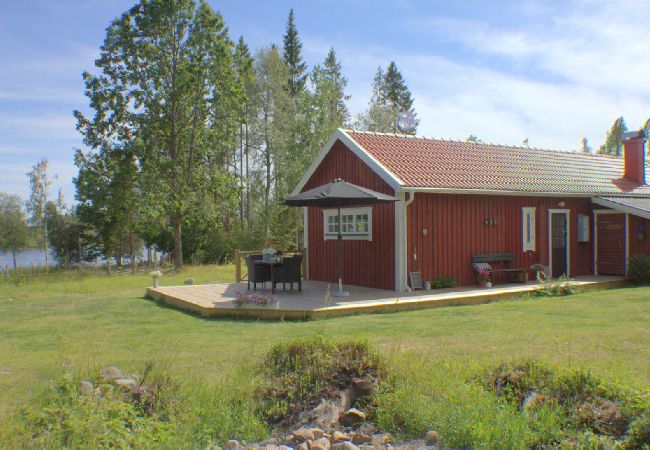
point(456, 230)
point(366, 263)
point(636, 245)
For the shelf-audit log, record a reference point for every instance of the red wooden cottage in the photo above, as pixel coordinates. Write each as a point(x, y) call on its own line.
point(575, 213)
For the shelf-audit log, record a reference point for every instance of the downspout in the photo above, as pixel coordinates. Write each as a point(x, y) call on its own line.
point(405, 246)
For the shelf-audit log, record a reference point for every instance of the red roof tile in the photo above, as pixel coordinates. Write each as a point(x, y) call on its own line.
point(441, 164)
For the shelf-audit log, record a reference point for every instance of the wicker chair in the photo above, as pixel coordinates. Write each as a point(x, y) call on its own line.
point(290, 272)
point(257, 273)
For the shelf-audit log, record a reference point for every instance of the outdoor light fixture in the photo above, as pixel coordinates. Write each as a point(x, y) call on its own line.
point(640, 233)
point(562, 204)
point(425, 231)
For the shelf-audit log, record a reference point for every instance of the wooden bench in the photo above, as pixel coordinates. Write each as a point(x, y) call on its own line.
point(485, 261)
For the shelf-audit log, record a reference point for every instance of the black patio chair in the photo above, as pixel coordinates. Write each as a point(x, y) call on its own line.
point(290, 272)
point(257, 273)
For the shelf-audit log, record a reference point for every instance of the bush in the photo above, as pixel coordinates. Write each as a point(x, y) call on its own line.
point(555, 287)
point(443, 282)
point(639, 268)
point(111, 417)
point(297, 375)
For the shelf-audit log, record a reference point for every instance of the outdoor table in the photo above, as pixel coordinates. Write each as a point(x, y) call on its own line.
point(270, 265)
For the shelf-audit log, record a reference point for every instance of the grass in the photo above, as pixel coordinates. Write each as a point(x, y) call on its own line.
point(92, 321)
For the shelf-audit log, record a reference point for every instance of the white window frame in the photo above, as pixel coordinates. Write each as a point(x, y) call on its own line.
point(348, 236)
point(528, 225)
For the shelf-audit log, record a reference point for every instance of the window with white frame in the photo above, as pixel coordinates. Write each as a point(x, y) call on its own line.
point(528, 223)
point(356, 223)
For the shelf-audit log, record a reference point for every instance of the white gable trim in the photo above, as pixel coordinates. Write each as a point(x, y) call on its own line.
point(359, 151)
point(621, 208)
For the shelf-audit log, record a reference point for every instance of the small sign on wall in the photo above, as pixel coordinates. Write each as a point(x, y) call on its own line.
point(416, 280)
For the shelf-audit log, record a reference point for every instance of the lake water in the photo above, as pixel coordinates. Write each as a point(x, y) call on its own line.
point(25, 258)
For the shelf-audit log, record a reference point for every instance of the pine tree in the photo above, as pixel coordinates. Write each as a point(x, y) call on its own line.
point(397, 94)
point(333, 73)
point(614, 139)
point(390, 98)
point(585, 148)
point(293, 58)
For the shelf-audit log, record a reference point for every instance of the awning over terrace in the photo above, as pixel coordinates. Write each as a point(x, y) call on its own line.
point(635, 206)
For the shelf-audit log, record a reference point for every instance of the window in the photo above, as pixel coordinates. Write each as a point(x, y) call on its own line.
point(528, 222)
point(356, 223)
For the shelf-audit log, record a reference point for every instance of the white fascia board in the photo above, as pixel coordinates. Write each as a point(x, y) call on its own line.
point(621, 208)
point(359, 151)
point(511, 193)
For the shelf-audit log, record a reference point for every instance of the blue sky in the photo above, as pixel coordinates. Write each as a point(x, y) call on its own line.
point(549, 71)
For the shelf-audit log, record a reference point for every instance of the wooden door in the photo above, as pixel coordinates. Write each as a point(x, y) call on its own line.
point(611, 252)
point(559, 242)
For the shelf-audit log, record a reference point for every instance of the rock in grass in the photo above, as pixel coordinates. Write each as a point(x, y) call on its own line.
point(317, 432)
point(189, 281)
point(338, 436)
point(111, 373)
point(351, 417)
point(232, 445)
point(302, 435)
point(320, 444)
point(361, 438)
point(432, 437)
point(126, 383)
point(345, 445)
point(86, 388)
point(363, 387)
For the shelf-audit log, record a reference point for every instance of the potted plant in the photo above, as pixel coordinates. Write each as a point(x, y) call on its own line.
point(483, 278)
point(254, 300)
point(156, 275)
point(540, 271)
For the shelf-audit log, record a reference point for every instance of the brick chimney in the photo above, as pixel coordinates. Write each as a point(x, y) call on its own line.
point(634, 154)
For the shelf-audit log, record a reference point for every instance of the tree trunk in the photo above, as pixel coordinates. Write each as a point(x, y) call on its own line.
point(241, 176)
point(131, 252)
point(248, 189)
point(13, 253)
point(178, 242)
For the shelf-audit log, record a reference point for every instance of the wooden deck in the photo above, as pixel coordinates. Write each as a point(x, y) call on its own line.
point(216, 300)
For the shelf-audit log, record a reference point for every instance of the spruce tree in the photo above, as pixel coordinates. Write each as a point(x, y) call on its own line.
point(585, 148)
point(397, 94)
point(614, 140)
point(293, 58)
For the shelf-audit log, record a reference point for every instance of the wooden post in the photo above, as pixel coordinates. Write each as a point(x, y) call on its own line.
point(237, 266)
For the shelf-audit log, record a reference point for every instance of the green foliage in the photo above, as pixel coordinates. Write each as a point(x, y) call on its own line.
point(443, 283)
point(639, 268)
point(555, 287)
point(614, 139)
point(299, 373)
point(390, 97)
point(293, 58)
point(14, 233)
point(61, 417)
point(590, 409)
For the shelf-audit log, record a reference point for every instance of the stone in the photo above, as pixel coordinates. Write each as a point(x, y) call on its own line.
point(302, 435)
point(432, 437)
point(126, 383)
point(317, 433)
point(338, 436)
point(363, 387)
point(284, 447)
point(351, 417)
point(345, 445)
point(361, 438)
point(320, 444)
point(232, 445)
point(111, 373)
point(86, 388)
point(189, 281)
point(303, 446)
point(531, 400)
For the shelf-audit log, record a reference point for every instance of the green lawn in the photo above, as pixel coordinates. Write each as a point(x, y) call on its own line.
point(94, 321)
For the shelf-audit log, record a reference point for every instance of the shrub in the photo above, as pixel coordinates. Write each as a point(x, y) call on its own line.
point(555, 287)
point(639, 268)
point(297, 375)
point(111, 417)
point(443, 282)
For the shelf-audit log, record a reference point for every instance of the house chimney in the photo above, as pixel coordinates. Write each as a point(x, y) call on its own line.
point(634, 154)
